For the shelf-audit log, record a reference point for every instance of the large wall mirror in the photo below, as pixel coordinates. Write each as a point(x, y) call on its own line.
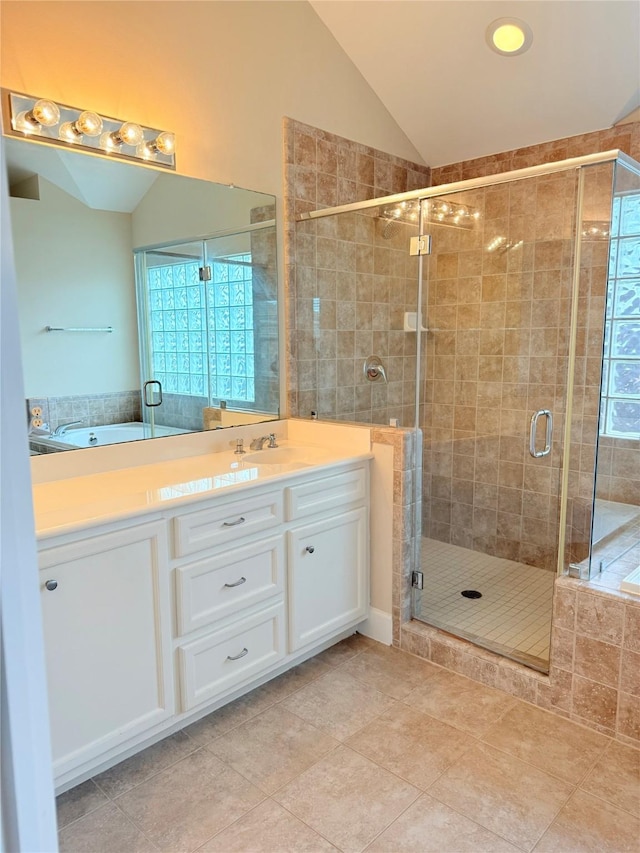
point(147, 300)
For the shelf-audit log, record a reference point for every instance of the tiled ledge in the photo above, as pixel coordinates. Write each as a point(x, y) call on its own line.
point(594, 677)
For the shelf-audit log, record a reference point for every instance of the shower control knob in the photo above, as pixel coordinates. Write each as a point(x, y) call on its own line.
point(51, 585)
point(310, 549)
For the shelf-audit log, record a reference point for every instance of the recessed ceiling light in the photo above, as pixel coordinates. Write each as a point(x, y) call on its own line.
point(509, 36)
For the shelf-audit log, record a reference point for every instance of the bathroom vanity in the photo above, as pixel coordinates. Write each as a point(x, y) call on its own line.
point(171, 588)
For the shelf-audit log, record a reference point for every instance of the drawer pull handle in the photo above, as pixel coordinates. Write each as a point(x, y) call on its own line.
point(240, 520)
point(244, 652)
point(237, 583)
point(51, 585)
point(310, 549)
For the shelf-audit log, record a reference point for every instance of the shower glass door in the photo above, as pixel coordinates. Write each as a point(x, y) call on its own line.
point(496, 295)
point(208, 330)
point(172, 334)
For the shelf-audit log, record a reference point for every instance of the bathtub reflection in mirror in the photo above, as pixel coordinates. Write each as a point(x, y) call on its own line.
point(159, 293)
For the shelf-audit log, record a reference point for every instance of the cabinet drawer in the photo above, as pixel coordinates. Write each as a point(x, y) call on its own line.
point(225, 522)
point(219, 586)
point(225, 659)
point(330, 492)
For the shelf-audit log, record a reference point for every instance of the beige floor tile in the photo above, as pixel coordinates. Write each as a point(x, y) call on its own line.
point(547, 741)
point(78, 802)
point(431, 827)
point(411, 744)
point(267, 829)
point(589, 825)
point(347, 799)
point(460, 702)
point(145, 764)
point(294, 679)
point(503, 794)
point(345, 650)
point(390, 670)
point(616, 778)
point(231, 715)
point(105, 830)
point(185, 805)
point(338, 704)
point(272, 748)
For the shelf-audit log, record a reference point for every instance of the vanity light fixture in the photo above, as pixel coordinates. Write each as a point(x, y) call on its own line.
point(509, 36)
point(43, 120)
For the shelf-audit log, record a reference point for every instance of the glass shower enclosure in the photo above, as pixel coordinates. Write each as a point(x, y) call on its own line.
point(208, 330)
point(487, 306)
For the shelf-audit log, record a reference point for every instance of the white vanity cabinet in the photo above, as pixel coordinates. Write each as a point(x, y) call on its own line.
point(328, 556)
point(150, 625)
point(230, 603)
point(106, 612)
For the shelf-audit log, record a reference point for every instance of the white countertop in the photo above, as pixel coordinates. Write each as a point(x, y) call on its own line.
point(64, 506)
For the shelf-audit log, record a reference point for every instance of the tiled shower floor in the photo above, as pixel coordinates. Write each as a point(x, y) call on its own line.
point(513, 617)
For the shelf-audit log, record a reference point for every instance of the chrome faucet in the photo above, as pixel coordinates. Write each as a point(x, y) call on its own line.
point(62, 428)
point(258, 443)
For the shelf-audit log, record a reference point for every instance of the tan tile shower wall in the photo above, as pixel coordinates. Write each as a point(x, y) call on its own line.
point(586, 388)
point(626, 137)
point(496, 352)
point(349, 281)
point(619, 470)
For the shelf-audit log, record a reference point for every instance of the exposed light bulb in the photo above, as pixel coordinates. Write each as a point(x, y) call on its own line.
point(165, 142)
point(144, 150)
point(68, 132)
point(130, 133)
point(45, 112)
point(88, 124)
point(25, 124)
point(108, 142)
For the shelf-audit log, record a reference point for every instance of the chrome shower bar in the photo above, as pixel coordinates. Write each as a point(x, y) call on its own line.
point(476, 183)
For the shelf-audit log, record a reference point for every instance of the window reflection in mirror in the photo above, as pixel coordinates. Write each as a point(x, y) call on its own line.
point(162, 293)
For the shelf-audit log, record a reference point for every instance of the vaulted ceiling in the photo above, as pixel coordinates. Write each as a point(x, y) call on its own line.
point(429, 63)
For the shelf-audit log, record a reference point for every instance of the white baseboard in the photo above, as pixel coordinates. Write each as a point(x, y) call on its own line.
point(379, 626)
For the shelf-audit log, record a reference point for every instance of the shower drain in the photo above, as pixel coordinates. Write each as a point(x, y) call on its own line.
point(471, 593)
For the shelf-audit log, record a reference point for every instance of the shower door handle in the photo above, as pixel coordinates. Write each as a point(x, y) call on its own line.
point(148, 401)
point(533, 431)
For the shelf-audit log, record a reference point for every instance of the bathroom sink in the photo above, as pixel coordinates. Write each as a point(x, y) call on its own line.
point(299, 456)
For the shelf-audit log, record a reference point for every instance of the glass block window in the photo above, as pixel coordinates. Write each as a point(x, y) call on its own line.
point(202, 332)
point(230, 329)
point(620, 403)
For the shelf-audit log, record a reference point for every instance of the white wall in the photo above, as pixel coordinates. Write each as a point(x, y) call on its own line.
point(74, 267)
point(220, 74)
point(27, 808)
point(178, 208)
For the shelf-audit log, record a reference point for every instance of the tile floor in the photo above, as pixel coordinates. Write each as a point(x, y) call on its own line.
point(365, 747)
point(513, 617)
